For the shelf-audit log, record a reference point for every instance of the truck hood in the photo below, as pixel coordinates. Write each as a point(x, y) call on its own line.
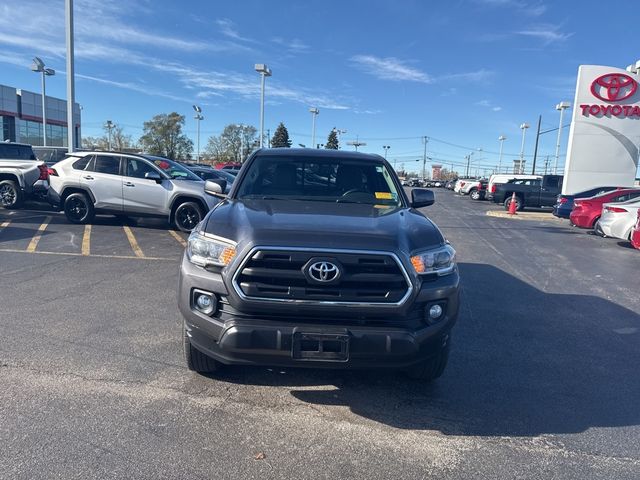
point(322, 225)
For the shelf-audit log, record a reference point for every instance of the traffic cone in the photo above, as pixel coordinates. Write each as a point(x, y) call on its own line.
point(512, 205)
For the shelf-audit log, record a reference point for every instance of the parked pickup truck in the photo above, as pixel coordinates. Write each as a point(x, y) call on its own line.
point(22, 175)
point(529, 192)
point(317, 258)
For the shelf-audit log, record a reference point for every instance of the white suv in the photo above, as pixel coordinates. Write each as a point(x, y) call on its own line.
point(86, 183)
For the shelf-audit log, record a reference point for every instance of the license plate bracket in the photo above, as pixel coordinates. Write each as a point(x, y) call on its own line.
point(322, 347)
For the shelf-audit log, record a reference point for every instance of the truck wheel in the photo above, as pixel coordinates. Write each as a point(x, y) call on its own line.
point(507, 202)
point(432, 368)
point(187, 216)
point(78, 208)
point(10, 194)
point(196, 360)
point(474, 194)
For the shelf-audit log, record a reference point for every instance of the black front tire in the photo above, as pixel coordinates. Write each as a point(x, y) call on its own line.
point(507, 202)
point(196, 360)
point(78, 208)
point(10, 194)
point(187, 216)
point(431, 368)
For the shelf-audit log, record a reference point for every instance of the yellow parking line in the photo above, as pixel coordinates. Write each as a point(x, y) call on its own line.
point(86, 241)
point(36, 238)
point(134, 243)
point(71, 254)
point(180, 240)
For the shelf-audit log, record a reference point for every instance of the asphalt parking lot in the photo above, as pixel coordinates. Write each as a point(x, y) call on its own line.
point(542, 381)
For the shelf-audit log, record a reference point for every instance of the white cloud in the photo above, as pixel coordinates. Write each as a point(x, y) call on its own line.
point(472, 76)
point(294, 46)
point(546, 32)
point(228, 29)
point(389, 68)
point(488, 104)
point(533, 9)
point(140, 88)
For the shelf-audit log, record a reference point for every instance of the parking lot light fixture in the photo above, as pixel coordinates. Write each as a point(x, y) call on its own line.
point(562, 106)
point(198, 116)
point(314, 113)
point(386, 149)
point(38, 66)
point(501, 139)
point(523, 127)
point(264, 72)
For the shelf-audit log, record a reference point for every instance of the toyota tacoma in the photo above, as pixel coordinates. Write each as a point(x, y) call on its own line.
point(318, 258)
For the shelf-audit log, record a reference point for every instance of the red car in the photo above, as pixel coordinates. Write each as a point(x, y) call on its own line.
point(586, 212)
point(635, 234)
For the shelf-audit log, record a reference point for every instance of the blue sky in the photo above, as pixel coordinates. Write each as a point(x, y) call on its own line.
point(461, 72)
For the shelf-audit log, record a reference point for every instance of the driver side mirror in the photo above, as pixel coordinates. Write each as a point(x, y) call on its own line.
point(421, 197)
point(153, 176)
point(215, 187)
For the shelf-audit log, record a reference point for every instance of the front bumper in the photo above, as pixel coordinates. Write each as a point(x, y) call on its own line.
point(267, 336)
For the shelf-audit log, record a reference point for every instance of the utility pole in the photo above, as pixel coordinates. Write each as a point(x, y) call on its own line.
point(356, 144)
point(468, 159)
point(71, 86)
point(269, 137)
point(535, 149)
point(546, 164)
point(109, 125)
point(425, 140)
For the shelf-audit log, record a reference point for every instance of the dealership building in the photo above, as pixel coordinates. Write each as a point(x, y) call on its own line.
point(21, 118)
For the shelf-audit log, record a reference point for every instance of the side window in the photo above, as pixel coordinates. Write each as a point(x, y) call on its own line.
point(138, 168)
point(634, 195)
point(552, 182)
point(621, 198)
point(81, 164)
point(107, 164)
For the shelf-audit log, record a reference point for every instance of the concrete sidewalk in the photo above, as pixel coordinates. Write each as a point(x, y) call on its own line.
point(540, 216)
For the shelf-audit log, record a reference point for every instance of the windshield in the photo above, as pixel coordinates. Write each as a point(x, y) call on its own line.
point(173, 169)
point(319, 179)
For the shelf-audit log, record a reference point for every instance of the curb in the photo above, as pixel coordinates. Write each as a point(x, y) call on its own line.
point(546, 217)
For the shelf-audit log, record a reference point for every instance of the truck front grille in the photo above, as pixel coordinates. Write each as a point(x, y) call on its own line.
point(365, 277)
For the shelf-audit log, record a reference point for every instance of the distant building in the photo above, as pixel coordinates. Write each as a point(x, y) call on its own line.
point(21, 118)
point(436, 172)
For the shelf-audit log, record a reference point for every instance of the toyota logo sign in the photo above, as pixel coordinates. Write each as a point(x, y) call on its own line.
point(613, 87)
point(323, 271)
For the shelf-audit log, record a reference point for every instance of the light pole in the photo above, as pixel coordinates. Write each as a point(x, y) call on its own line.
point(425, 140)
point(109, 125)
point(314, 113)
point(264, 72)
point(501, 139)
point(71, 79)
point(562, 106)
point(386, 149)
point(39, 67)
point(468, 158)
point(523, 127)
point(198, 116)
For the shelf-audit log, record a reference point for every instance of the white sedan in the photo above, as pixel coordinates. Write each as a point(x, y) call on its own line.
point(617, 219)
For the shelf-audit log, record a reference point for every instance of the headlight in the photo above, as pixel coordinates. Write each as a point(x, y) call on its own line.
point(204, 251)
point(441, 260)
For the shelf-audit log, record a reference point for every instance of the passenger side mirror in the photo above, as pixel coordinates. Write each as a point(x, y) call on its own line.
point(215, 186)
point(153, 176)
point(421, 197)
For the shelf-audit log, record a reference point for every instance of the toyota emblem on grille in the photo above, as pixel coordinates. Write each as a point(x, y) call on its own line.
point(323, 271)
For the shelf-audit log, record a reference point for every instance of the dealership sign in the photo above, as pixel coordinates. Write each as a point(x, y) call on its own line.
point(612, 87)
point(605, 130)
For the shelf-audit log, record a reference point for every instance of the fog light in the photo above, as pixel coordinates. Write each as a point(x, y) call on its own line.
point(204, 302)
point(435, 312)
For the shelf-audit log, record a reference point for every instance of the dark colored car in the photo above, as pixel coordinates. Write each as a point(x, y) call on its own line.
point(529, 192)
point(209, 173)
point(587, 211)
point(318, 258)
point(564, 203)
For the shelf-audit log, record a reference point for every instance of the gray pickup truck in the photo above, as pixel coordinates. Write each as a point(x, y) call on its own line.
point(317, 258)
point(22, 175)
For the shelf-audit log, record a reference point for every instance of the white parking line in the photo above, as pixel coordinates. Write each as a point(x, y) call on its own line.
point(33, 244)
point(4, 225)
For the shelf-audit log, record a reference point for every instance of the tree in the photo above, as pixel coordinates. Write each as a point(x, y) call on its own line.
point(163, 136)
point(119, 140)
point(332, 141)
point(281, 137)
point(234, 144)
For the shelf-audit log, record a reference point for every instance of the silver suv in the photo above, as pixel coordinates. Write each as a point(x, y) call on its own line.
point(86, 183)
point(22, 175)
